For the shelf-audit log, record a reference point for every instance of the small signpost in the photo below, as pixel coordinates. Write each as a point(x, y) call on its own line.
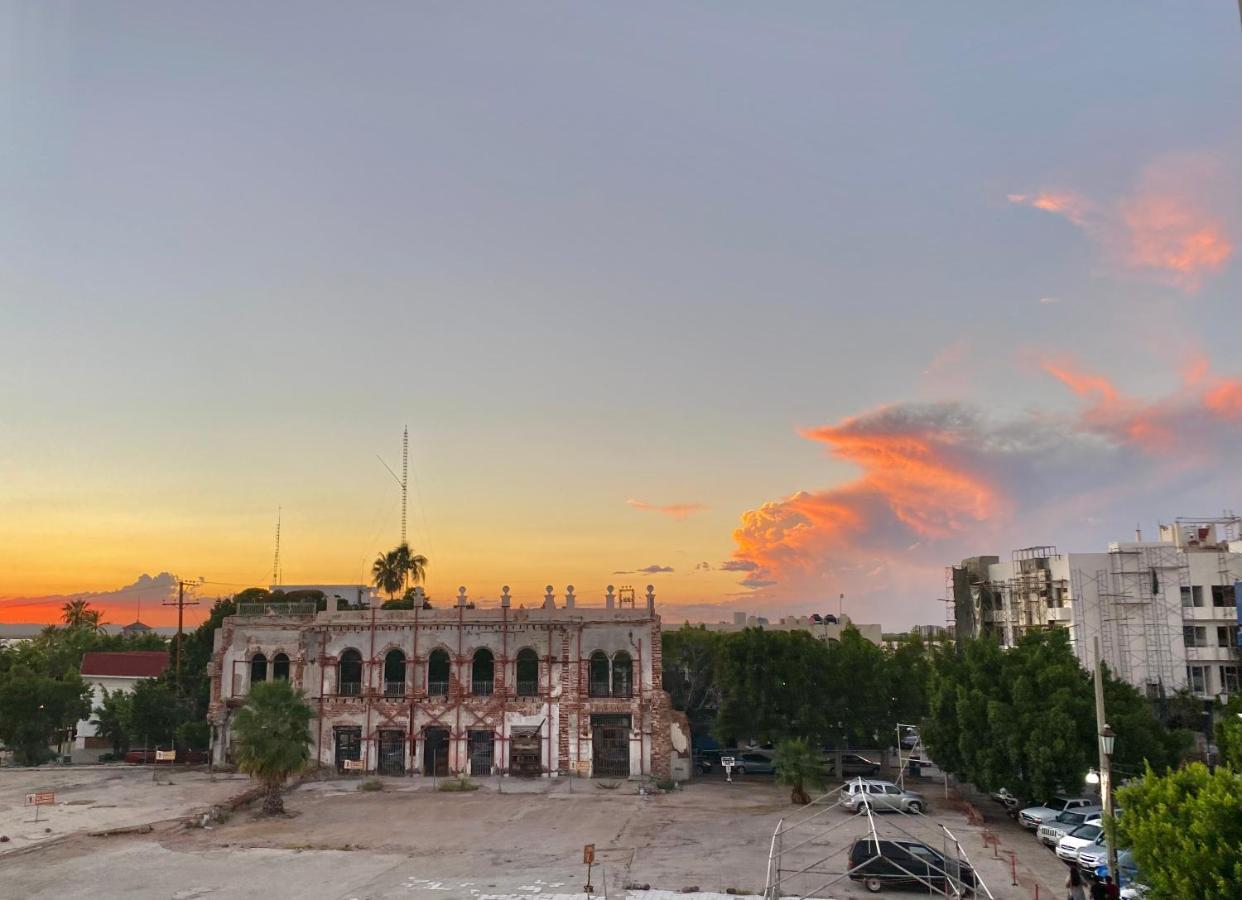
point(728, 762)
point(40, 798)
point(588, 859)
point(355, 765)
point(168, 756)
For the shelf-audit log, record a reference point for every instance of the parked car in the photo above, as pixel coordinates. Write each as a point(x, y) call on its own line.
point(1051, 831)
point(1080, 837)
point(1004, 798)
point(901, 863)
point(852, 765)
point(754, 762)
point(1034, 816)
point(184, 757)
point(881, 795)
point(1094, 855)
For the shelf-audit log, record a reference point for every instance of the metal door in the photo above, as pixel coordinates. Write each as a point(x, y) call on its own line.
point(435, 751)
point(610, 746)
point(348, 746)
point(481, 745)
point(525, 752)
point(392, 752)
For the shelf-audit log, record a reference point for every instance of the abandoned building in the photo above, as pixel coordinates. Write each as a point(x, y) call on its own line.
point(463, 689)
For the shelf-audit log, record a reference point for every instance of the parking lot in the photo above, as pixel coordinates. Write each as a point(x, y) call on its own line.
point(411, 841)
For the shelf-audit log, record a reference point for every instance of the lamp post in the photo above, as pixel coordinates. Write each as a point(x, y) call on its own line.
point(1107, 741)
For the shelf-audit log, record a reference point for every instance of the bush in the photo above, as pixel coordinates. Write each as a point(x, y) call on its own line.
point(665, 783)
point(458, 785)
point(371, 784)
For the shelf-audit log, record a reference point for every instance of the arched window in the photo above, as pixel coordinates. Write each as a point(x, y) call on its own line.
point(622, 675)
point(483, 672)
point(349, 673)
point(598, 678)
point(438, 673)
point(280, 667)
point(258, 668)
point(527, 672)
point(394, 674)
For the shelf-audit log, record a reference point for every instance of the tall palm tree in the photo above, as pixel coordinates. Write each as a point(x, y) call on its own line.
point(77, 613)
point(414, 565)
point(387, 573)
point(273, 738)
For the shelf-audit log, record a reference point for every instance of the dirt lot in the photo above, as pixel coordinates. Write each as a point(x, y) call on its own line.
point(409, 841)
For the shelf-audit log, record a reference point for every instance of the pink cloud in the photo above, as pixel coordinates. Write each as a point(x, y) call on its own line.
point(677, 511)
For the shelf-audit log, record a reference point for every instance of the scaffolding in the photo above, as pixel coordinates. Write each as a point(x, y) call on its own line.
point(799, 865)
point(1140, 593)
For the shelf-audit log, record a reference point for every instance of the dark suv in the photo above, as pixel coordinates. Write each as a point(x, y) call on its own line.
point(908, 864)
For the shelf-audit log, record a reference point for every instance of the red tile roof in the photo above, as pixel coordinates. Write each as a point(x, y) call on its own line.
point(130, 664)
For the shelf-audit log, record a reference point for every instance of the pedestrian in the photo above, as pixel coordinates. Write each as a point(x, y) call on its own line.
point(1099, 890)
point(1073, 881)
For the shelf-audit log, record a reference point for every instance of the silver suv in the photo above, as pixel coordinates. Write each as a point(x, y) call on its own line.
point(1052, 830)
point(1034, 816)
point(880, 795)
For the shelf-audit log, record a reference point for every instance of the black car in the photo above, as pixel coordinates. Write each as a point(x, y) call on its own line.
point(907, 864)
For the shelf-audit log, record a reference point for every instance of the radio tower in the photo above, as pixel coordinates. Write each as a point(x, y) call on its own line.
point(276, 559)
point(405, 470)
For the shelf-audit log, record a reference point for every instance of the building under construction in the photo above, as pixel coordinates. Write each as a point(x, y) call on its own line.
point(1166, 612)
point(469, 688)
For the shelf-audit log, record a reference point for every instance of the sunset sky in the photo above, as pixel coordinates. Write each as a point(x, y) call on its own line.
point(791, 299)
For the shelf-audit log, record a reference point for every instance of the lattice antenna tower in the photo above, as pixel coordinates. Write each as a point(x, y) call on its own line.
point(276, 558)
point(405, 477)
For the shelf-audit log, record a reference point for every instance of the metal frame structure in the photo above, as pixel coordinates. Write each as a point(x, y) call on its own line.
point(783, 874)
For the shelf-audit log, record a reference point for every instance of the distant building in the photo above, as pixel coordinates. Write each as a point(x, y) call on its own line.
point(114, 672)
point(135, 628)
point(826, 628)
point(1165, 612)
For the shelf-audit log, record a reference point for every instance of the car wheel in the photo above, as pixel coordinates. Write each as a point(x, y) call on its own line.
point(915, 807)
point(873, 884)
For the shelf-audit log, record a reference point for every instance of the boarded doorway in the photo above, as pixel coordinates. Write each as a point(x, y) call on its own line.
point(348, 746)
point(525, 758)
point(392, 752)
point(481, 744)
point(610, 746)
point(435, 751)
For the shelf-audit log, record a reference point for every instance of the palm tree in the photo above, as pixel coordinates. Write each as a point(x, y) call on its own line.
point(797, 765)
point(387, 573)
point(273, 738)
point(77, 613)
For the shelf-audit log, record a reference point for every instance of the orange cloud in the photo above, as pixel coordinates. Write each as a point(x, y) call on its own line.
point(1163, 229)
point(677, 511)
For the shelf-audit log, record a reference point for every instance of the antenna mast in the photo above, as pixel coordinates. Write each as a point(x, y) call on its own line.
point(405, 470)
point(276, 559)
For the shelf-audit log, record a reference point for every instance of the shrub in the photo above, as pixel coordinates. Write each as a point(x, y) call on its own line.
point(461, 783)
point(371, 784)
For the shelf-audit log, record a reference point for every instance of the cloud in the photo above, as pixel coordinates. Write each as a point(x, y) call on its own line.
point(1163, 230)
point(940, 481)
point(677, 511)
point(646, 570)
point(119, 606)
point(704, 566)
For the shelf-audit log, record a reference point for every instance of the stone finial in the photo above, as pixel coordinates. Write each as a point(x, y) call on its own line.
point(461, 596)
point(651, 598)
point(505, 599)
point(610, 599)
point(549, 601)
point(569, 597)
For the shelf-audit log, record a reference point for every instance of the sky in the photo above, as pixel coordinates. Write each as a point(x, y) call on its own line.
point(760, 304)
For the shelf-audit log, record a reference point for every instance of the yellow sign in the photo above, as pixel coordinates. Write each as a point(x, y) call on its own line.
point(354, 765)
point(165, 755)
point(41, 798)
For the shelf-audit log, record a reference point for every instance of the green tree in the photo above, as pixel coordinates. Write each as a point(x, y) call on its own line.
point(1228, 733)
point(413, 565)
point(155, 713)
point(908, 672)
point(774, 685)
point(1185, 831)
point(689, 660)
point(37, 711)
point(77, 614)
point(112, 719)
point(798, 765)
point(273, 738)
point(199, 646)
point(387, 573)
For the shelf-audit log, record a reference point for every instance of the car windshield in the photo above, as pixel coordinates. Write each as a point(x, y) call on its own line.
point(1090, 832)
point(1055, 803)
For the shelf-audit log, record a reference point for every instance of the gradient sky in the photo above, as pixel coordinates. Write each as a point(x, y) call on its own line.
point(817, 297)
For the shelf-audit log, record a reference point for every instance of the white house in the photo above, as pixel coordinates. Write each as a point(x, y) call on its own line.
point(115, 672)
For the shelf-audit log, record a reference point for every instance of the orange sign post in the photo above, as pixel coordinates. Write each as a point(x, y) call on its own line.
point(588, 857)
point(40, 798)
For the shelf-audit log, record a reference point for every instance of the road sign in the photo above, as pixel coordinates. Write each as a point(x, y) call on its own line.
point(728, 762)
point(165, 755)
point(584, 768)
point(355, 765)
point(41, 798)
point(588, 854)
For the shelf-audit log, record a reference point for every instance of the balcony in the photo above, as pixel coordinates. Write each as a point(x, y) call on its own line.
point(437, 688)
point(349, 689)
point(394, 688)
point(598, 689)
point(482, 687)
point(528, 688)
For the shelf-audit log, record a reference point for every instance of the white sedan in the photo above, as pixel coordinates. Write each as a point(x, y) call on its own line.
point(1080, 837)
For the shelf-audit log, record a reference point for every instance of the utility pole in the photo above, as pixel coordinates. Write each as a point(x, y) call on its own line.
point(1106, 738)
point(181, 603)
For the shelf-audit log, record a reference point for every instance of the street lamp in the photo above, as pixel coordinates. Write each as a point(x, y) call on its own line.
point(1093, 777)
point(1107, 739)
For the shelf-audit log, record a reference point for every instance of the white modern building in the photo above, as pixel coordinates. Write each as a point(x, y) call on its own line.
point(1165, 612)
point(826, 628)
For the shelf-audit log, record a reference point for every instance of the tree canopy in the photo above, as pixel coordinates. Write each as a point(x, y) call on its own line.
point(273, 737)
